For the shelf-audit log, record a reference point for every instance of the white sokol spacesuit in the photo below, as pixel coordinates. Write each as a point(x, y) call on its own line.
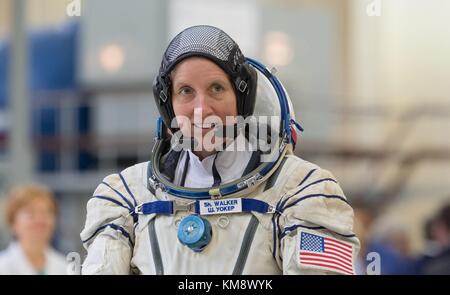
point(235, 212)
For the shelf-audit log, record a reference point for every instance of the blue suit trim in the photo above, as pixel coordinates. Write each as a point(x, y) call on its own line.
point(295, 226)
point(127, 188)
point(305, 187)
point(315, 196)
point(113, 226)
point(112, 200)
point(122, 196)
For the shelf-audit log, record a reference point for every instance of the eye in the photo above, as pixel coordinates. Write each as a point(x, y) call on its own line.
point(186, 90)
point(217, 88)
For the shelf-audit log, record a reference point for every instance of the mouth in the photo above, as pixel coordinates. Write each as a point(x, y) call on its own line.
point(205, 126)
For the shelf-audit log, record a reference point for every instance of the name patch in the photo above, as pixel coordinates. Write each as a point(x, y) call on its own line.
point(209, 207)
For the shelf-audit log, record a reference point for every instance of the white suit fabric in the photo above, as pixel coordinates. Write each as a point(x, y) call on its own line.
point(230, 165)
point(13, 261)
point(119, 242)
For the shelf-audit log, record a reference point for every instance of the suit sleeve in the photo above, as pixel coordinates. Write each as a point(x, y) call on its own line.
point(314, 230)
point(108, 235)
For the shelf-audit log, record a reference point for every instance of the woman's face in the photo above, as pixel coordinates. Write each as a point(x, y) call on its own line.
point(35, 222)
point(202, 97)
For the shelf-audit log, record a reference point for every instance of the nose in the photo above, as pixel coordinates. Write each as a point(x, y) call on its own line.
point(203, 104)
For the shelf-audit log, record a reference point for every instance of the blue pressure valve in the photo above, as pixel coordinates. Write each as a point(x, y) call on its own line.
point(195, 232)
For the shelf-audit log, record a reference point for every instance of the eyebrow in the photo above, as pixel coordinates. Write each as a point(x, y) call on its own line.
point(182, 83)
point(218, 82)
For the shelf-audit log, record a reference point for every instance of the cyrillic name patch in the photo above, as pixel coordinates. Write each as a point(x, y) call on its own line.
point(208, 207)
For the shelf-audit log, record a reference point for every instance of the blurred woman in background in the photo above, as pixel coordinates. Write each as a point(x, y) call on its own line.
point(31, 217)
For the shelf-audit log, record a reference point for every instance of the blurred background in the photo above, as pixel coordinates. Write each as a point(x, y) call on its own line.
point(369, 82)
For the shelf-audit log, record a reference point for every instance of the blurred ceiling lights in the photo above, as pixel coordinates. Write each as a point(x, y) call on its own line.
point(112, 58)
point(277, 49)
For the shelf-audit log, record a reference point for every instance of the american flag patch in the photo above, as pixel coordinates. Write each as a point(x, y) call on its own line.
point(325, 253)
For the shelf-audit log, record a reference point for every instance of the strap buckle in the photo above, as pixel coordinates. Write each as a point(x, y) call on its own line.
point(272, 210)
point(138, 209)
point(163, 96)
point(215, 193)
point(242, 86)
point(250, 181)
point(188, 207)
point(156, 184)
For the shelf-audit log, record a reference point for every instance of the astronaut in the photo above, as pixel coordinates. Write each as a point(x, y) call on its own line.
point(223, 192)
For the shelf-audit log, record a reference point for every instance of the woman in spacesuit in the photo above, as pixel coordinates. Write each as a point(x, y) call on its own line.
point(223, 192)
